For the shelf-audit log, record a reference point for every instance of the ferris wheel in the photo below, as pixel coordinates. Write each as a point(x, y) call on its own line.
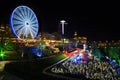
point(24, 23)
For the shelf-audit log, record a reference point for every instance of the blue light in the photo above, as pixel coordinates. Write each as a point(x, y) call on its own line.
point(114, 63)
point(39, 54)
point(34, 50)
point(118, 71)
point(77, 58)
point(114, 60)
point(24, 23)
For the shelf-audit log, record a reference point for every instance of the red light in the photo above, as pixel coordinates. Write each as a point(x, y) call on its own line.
point(72, 53)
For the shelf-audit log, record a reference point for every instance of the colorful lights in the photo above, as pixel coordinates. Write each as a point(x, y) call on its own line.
point(2, 54)
point(77, 58)
point(72, 52)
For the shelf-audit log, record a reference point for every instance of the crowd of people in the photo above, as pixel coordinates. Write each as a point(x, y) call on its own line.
point(94, 69)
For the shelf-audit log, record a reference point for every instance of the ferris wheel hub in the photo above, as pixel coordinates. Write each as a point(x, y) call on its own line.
point(27, 24)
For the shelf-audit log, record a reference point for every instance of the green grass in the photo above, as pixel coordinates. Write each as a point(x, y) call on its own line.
point(32, 70)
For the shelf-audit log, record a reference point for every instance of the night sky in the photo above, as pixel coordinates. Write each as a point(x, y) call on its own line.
point(95, 20)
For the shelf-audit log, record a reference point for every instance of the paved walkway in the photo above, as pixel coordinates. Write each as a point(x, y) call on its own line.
point(2, 65)
point(55, 75)
point(8, 76)
point(5, 75)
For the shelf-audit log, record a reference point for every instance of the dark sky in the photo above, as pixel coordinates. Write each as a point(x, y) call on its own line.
point(95, 20)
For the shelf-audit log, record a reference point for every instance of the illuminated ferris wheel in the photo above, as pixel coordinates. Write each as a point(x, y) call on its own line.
point(24, 23)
